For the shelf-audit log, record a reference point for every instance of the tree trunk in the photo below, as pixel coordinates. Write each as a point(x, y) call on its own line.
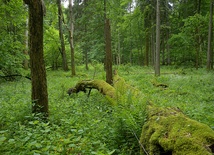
point(85, 47)
point(157, 56)
point(25, 61)
point(73, 72)
point(37, 65)
point(62, 49)
point(108, 56)
point(210, 38)
point(147, 48)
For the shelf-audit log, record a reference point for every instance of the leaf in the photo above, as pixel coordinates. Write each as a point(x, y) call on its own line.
point(2, 139)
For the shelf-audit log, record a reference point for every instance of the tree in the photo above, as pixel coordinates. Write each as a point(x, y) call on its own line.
point(37, 65)
point(210, 38)
point(108, 56)
point(73, 72)
point(157, 56)
point(12, 37)
point(62, 49)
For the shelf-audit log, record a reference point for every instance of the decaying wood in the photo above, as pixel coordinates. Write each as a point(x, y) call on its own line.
point(103, 87)
point(11, 77)
point(167, 131)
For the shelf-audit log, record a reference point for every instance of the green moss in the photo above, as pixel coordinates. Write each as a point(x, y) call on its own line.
point(169, 130)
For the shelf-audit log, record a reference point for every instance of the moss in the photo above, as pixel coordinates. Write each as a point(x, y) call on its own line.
point(168, 130)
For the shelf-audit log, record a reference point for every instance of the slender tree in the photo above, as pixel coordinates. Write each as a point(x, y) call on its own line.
point(73, 72)
point(37, 65)
point(25, 61)
point(62, 49)
point(108, 56)
point(210, 37)
point(157, 56)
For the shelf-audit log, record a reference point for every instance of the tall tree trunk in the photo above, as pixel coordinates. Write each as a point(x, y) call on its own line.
point(73, 72)
point(147, 48)
point(168, 49)
point(197, 49)
point(163, 51)
point(157, 58)
point(108, 56)
point(37, 65)
point(25, 61)
point(118, 57)
point(62, 49)
point(167, 37)
point(85, 48)
point(210, 38)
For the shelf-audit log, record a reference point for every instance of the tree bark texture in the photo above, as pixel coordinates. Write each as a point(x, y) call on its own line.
point(167, 131)
point(62, 49)
point(25, 61)
point(210, 38)
point(157, 56)
point(37, 65)
point(73, 71)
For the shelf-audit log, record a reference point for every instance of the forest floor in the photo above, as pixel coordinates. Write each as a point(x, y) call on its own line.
point(84, 125)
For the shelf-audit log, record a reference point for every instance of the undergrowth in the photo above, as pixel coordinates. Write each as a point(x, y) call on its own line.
point(90, 125)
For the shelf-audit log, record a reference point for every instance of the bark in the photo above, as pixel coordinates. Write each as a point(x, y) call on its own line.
point(25, 61)
point(166, 131)
point(210, 37)
point(73, 71)
point(157, 56)
point(62, 49)
point(85, 48)
point(147, 49)
point(38, 73)
point(108, 56)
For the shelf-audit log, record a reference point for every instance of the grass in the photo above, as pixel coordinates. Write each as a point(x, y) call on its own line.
point(82, 125)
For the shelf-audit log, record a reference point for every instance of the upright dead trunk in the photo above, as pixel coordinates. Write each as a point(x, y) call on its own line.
point(157, 58)
point(73, 72)
point(210, 37)
point(37, 65)
point(108, 56)
point(62, 49)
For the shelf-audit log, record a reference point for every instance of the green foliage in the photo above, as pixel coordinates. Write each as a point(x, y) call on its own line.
point(12, 38)
point(82, 125)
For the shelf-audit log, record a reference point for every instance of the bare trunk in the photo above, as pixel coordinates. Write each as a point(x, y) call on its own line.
point(73, 72)
point(119, 53)
point(62, 49)
point(108, 56)
point(25, 61)
point(157, 62)
point(109, 76)
point(210, 37)
point(147, 49)
point(38, 72)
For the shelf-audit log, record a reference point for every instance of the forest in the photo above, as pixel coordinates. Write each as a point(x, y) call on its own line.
point(106, 77)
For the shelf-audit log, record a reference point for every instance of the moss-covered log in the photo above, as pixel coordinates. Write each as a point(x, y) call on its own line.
point(103, 87)
point(167, 131)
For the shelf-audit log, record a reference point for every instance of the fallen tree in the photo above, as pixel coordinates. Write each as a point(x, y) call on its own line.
point(167, 130)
